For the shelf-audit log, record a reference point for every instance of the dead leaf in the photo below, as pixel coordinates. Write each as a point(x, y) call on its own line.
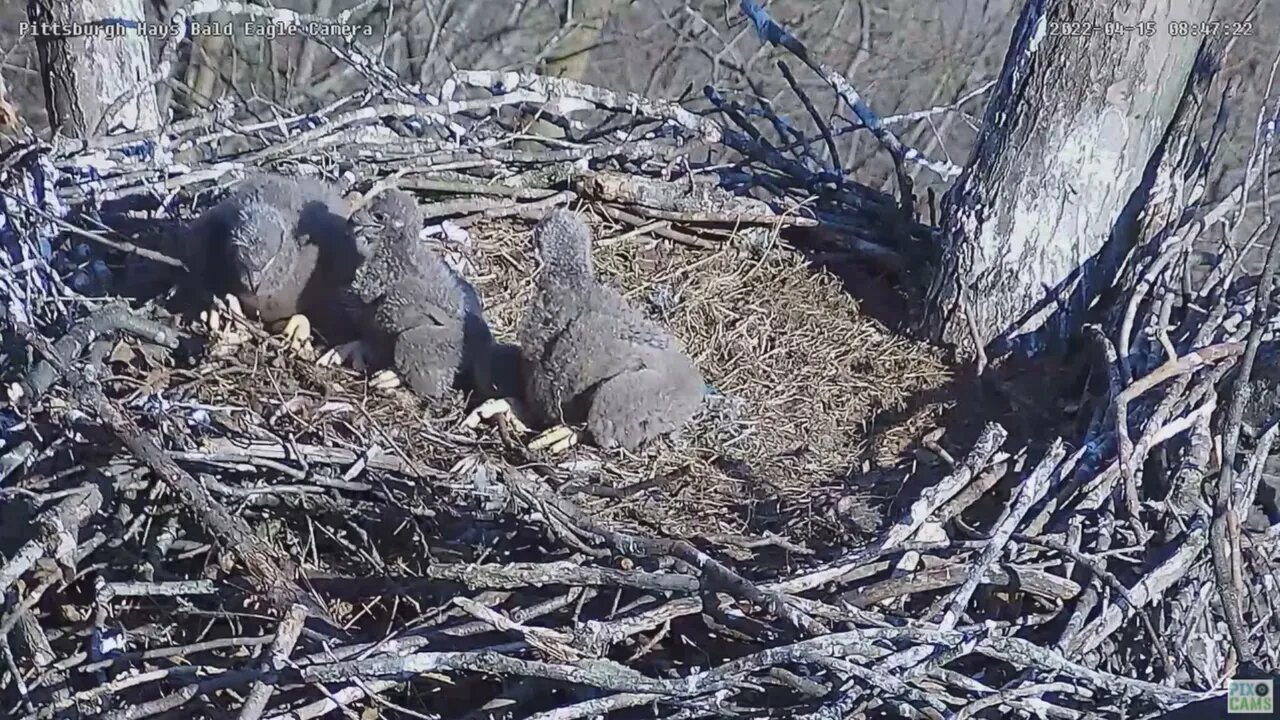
point(9, 119)
point(156, 356)
point(8, 116)
point(122, 353)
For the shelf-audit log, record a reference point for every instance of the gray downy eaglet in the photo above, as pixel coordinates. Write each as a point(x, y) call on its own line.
point(587, 356)
point(420, 316)
point(281, 247)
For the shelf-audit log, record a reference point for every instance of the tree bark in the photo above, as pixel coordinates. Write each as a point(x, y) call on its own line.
point(85, 72)
point(1026, 240)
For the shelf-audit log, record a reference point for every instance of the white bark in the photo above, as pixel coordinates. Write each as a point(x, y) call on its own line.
point(85, 74)
point(1065, 141)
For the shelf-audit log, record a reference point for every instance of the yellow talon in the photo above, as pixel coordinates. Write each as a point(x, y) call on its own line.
point(354, 353)
point(384, 380)
point(225, 308)
point(556, 440)
point(297, 333)
point(508, 408)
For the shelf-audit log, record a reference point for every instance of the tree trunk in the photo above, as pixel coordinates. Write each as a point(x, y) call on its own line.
point(1024, 239)
point(85, 74)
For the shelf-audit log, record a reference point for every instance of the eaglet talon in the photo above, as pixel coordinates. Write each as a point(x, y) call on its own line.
point(506, 408)
point(225, 308)
point(211, 317)
point(353, 353)
point(385, 380)
point(233, 306)
point(556, 440)
point(297, 335)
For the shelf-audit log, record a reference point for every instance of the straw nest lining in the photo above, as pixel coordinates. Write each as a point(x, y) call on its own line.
point(797, 377)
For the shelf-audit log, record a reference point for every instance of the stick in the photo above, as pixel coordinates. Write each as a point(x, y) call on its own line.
point(274, 661)
point(1029, 493)
point(1225, 531)
point(273, 570)
point(990, 440)
point(56, 535)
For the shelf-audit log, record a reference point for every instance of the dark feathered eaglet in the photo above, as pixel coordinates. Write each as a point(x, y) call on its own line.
point(421, 316)
point(281, 245)
point(586, 356)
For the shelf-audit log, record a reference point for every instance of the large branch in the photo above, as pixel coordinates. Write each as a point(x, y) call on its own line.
point(1065, 141)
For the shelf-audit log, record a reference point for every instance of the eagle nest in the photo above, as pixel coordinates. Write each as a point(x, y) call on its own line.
point(192, 529)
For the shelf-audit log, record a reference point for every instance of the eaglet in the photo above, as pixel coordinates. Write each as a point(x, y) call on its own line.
point(420, 316)
point(277, 247)
point(586, 356)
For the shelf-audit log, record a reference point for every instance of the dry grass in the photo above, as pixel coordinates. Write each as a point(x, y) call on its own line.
point(798, 379)
point(798, 375)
